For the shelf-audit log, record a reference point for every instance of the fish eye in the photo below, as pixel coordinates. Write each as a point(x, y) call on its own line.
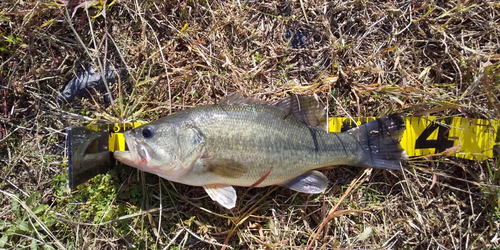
point(148, 132)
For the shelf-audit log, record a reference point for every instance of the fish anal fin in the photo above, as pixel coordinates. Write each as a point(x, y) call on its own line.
point(224, 167)
point(235, 98)
point(223, 194)
point(311, 183)
point(305, 108)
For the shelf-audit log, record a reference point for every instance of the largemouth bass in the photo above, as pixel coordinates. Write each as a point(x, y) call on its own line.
point(247, 142)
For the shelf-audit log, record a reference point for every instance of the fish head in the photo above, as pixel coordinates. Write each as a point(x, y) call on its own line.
point(166, 149)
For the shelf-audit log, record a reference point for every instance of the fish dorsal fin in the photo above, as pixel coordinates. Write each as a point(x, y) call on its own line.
point(224, 167)
point(305, 108)
point(235, 98)
point(311, 183)
point(223, 194)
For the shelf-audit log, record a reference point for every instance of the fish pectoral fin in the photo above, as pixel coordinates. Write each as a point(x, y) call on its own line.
point(223, 194)
point(311, 183)
point(224, 167)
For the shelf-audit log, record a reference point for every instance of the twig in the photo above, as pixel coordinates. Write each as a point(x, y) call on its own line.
point(304, 10)
point(206, 241)
point(332, 213)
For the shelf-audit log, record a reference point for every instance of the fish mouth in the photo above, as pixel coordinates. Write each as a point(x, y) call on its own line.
point(137, 154)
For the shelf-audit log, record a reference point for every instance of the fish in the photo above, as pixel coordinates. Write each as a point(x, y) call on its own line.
point(244, 141)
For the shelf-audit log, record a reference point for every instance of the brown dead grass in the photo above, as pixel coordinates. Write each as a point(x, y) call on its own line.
point(366, 57)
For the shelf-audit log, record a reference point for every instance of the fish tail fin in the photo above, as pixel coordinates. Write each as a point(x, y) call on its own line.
point(379, 140)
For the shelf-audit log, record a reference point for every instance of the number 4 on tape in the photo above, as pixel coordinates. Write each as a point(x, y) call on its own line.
point(477, 139)
point(442, 141)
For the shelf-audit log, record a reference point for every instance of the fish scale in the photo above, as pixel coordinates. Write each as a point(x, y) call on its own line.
point(266, 140)
point(243, 141)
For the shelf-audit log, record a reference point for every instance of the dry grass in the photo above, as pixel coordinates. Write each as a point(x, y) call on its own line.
point(367, 57)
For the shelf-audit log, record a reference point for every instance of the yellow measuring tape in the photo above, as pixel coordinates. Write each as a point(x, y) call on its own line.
point(474, 139)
